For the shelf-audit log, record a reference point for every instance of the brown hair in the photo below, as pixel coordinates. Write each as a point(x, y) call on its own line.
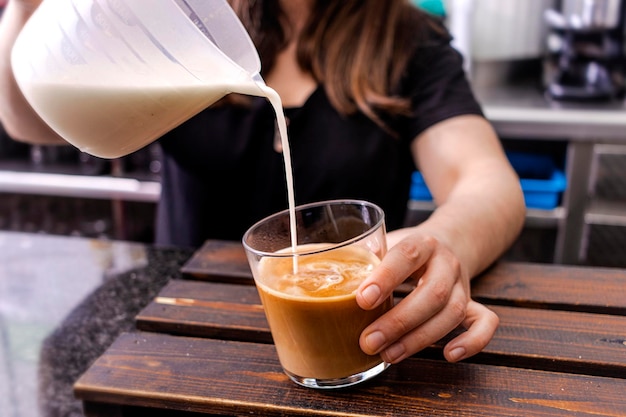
point(358, 49)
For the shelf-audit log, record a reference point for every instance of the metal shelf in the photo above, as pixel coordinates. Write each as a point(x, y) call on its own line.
point(606, 213)
point(541, 218)
point(81, 186)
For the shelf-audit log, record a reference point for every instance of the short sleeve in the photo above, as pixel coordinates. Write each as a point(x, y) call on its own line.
point(437, 85)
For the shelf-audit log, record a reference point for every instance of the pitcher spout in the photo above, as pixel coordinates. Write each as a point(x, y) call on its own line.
point(258, 79)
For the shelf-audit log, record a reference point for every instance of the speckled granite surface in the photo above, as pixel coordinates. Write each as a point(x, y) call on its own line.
point(63, 301)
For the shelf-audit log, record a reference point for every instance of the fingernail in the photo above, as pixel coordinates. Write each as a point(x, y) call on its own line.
point(375, 341)
point(371, 294)
point(394, 352)
point(456, 354)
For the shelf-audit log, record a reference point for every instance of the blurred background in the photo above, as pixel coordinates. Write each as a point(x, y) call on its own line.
point(549, 73)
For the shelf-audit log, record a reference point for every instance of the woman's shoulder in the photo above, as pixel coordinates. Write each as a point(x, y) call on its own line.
point(426, 41)
point(426, 37)
point(424, 29)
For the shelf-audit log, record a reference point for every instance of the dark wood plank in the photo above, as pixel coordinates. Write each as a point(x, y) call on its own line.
point(586, 289)
point(593, 290)
point(586, 343)
point(219, 261)
point(195, 308)
point(225, 261)
point(235, 378)
point(529, 338)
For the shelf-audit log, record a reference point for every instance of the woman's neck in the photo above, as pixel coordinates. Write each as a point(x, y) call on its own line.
point(297, 13)
point(292, 84)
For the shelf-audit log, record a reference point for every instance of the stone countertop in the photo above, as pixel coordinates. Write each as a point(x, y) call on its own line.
point(63, 300)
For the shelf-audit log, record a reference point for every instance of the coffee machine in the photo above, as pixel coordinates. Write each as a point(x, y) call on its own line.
point(585, 44)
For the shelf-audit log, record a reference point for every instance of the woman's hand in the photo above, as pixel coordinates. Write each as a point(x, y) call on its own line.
point(19, 120)
point(480, 211)
point(439, 303)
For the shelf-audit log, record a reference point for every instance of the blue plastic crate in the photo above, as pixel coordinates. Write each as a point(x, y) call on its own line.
point(544, 194)
point(419, 191)
point(542, 183)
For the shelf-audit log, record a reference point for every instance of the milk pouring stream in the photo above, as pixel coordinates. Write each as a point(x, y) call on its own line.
point(112, 76)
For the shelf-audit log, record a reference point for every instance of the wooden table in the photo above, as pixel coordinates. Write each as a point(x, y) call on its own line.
point(203, 346)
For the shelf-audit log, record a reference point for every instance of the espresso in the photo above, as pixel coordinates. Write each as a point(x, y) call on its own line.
point(313, 314)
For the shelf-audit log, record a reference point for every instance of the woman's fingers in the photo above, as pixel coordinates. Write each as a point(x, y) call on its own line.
point(398, 264)
point(481, 324)
point(411, 326)
point(429, 312)
point(439, 304)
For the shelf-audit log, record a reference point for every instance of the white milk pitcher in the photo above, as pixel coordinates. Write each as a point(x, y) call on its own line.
point(111, 76)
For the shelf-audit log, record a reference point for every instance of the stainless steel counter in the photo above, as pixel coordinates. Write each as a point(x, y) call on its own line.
point(523, 112)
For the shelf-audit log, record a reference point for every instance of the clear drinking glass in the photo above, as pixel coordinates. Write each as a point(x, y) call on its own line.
point(309, 294)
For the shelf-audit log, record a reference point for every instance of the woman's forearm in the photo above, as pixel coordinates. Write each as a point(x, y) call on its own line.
point(17, 117)
point(480, 222)
point(480, 202)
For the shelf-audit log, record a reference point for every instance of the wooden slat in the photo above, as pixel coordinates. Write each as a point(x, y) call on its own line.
point(219, 261)
point(585, 343)
point(225, 261)
point(585, 289)
point(205, 309)
point(200, 375)
point(594, 290)
point(529, 338)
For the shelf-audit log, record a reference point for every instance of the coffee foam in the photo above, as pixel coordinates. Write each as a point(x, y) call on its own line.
point(331, 273)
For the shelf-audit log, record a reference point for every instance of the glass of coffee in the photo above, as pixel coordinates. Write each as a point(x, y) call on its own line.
point(308, 288)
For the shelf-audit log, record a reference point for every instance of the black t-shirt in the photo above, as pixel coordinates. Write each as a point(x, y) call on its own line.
point(221, 172)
